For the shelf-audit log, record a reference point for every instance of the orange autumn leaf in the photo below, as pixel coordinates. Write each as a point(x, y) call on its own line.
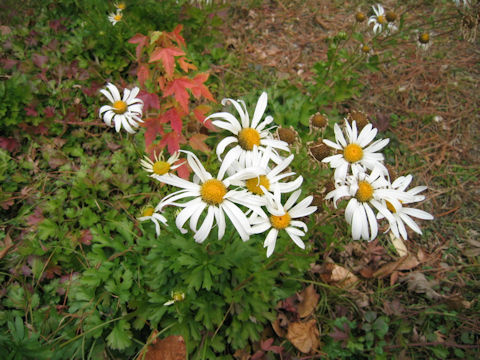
point(167, 57)
point(197, 142)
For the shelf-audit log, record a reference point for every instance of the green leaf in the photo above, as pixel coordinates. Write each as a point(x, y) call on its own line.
point(46, 229)
point(119, 338)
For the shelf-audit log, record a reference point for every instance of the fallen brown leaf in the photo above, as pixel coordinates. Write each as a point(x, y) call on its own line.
point(338, 276)
point(304, 335)
point(171, 348)
point(308, 301)
point(407, 262)
point(417, 282)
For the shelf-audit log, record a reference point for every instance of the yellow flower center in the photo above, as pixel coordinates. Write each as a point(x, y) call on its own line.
point(390, 206)
point(424, 38)
point(248, 137)
point(117, 17)
point(121, 6)
point(161, 167)
point(352, 153)
point(366, 48)
point(253, 184)
point(381, 19)
point(280, 222)
point(119, 107)
point(213, 191)
point(364, 192)
point(148, 211)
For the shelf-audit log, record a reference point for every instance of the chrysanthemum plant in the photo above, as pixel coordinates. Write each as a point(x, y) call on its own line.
point(233, 207)
point(169, 81)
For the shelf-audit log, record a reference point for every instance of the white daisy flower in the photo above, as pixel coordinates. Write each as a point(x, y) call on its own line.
point(212, 195)
point(281, 218)
point(379, 20)
point(160, 166)
point(126, 112)
point(149, 214)
point(267, 178)
point(120, 5)
point(114, 18)
point(366, 190)
point(355, 153)
point(464, 3)
point(247, 133)
point(402, 215)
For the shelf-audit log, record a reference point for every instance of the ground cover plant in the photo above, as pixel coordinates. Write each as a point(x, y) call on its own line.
point(239, 180)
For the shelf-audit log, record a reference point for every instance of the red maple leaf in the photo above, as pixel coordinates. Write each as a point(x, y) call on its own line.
point(184, 170)
point(173, 141)
point(150, 100)
point(186, 65)
point(153, 127)
point(199, 89)
point(167, 56)
point(9, 144)
point(173, 117)
point(178, 87)
point(142, 74)
point(175, 35)
point(141, 40)
point(200, 112)
point(197, 142)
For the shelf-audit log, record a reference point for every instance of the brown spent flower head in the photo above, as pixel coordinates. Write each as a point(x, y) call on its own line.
point(287, 135)
point(320, 151)
point(359, 117)
point(318, 120)
point(360, 17)
point(424, 38)
point(391, 16)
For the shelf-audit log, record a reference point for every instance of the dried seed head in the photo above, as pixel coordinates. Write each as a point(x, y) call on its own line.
point(287, 135)
point(359, 117)
point(360, 17)
point(319, 151)
point(391, 16)
point(319, 120)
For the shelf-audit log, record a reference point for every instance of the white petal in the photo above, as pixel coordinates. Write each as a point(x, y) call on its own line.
point(259, 110)
point(204, 230)
point(270, 241)
point(224, 143)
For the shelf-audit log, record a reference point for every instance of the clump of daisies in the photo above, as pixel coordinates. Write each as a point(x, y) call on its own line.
point(362, 178)
point(382, 20)
point(249, 190)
